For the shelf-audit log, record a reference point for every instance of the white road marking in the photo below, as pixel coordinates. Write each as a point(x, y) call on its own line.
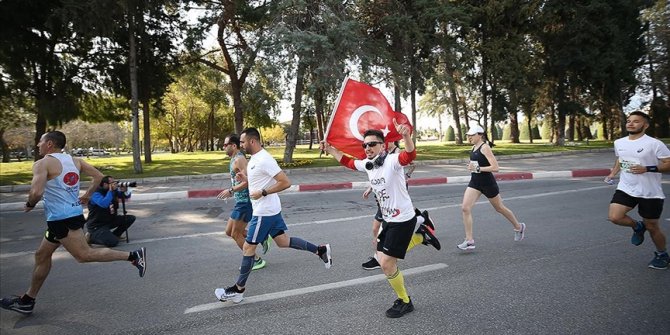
point(344, 219)
point(311, 289)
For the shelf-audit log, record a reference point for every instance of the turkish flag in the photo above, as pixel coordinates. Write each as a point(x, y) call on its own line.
point(361, 107)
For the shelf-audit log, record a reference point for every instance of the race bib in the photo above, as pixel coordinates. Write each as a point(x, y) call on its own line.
point(625, 164)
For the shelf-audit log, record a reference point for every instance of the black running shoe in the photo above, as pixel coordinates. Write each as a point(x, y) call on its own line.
point(428, 222)
point(324, 253)
point(371, 264)
point(429, 236)
point(16, 304)
point(399, 308)
point(141, 261)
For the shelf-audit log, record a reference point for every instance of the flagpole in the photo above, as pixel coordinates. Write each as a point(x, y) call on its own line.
point(337, 103)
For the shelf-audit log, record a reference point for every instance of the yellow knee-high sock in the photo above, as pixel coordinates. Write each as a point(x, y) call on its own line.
point(416, 240)
point(398, 284)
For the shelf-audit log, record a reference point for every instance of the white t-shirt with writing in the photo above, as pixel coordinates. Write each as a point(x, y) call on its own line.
point(261, 169)
point(645, 151)
point(388, 183)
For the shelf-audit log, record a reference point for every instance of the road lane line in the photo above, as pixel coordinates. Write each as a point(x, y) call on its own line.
point(311, 289)
point(344, 219)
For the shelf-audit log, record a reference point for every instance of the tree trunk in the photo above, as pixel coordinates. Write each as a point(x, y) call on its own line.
point(454, 104)
point(297, 105)
point(147, 130)
point(412, 96)
point(137, 163)
point(318, 110)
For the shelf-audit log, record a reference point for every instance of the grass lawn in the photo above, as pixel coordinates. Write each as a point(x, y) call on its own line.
point(196, 163)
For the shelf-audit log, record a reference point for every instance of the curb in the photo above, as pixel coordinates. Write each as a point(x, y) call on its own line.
point(221, 176)
point(212, 193)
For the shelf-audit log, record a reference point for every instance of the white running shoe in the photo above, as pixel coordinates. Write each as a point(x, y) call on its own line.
point(520, 234)
point(229, 293)
point(467, 245)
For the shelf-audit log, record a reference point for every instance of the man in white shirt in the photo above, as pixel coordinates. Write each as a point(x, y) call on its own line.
point(640, 159)
point(399, 219)
point(265, 180)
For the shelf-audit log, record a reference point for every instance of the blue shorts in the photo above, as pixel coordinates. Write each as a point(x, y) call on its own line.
point(261, 226)
point(242, 211)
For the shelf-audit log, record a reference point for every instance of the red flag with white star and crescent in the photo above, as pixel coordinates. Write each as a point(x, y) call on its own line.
point(358, 108)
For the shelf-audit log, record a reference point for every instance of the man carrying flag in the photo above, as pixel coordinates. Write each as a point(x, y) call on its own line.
point(387, 178)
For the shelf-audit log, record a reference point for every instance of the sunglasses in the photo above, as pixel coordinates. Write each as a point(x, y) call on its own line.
point(371, 144)
point(227, 144)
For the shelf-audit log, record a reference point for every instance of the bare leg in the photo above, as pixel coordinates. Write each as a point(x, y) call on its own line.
point(656, 234)
point(76, 245)
point(469, 198)
point(42, 266)
point(375, 231)
point(497, 203)
point(236, 230)
point(618, 215)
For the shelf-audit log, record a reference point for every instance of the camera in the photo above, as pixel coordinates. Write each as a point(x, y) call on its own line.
point(127, 184)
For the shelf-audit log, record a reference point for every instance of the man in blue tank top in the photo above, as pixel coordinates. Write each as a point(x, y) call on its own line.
point(56, 181)
point(242, 212)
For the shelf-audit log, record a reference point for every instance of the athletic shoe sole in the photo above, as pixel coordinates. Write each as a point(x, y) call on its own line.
point(219, 293)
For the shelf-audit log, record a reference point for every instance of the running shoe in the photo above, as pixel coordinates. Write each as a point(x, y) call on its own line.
point(429, 236)
point(258, 264)
point(141, 261)
point(428, 222)
point(229, 293)
point(520, 234)
point(399, 308)
point(371, 264)
point(660, 261)
point(467, 245)
point(638, 235)
point(16, 304)
point(266, 244)
point(324, 252)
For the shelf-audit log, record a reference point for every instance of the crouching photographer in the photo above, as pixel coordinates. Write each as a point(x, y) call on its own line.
point(105, 226)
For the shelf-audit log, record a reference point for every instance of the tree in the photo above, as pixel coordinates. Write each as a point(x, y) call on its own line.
point(45, 55)
point(242, 34)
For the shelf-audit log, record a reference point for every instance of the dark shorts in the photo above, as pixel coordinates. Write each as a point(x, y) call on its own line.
point(261, 226)
point(59, 229)
point(395, 237)
point(378, 215)
point(242, 211)
point(647, 208)
point(489, 189)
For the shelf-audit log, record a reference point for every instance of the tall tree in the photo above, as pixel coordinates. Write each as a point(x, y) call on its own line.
point(44, 54)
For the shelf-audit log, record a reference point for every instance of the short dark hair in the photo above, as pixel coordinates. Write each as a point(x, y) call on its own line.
point(642, 114)
point(252, 133)
point(57, 137)
point(234, 139)
point(105, 180)
point(374, 132)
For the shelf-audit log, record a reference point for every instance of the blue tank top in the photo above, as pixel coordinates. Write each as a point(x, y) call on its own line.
point(61, 194)
point(243, 195)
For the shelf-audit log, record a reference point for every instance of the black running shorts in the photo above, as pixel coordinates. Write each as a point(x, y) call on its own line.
point(647, 208)
point(395, 237)
point(58, 229)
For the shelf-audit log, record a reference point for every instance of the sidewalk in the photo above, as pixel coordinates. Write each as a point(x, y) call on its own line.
point(563, 165)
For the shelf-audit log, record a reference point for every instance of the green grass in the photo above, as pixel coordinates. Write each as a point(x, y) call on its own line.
point(199, 163)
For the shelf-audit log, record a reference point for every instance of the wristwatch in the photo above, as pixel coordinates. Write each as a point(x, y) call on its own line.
point(264, 192)
point(478, 169)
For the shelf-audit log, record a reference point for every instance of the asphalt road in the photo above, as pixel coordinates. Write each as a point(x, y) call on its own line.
point(575, 273)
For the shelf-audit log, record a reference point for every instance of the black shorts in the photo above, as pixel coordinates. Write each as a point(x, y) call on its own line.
point(378, 215)
point(647, 208)
point(395, 237)
point(488, 189)
point(59, 229)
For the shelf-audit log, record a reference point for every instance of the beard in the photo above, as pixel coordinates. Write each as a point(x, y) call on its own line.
point(635, 132)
